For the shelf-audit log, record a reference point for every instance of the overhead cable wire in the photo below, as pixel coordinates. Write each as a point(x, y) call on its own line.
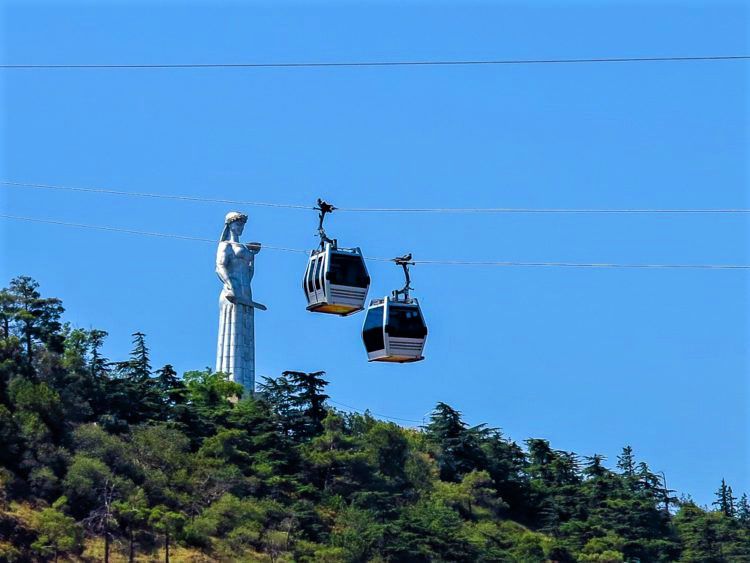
point(132, 231)
point(542, 210)
point(392, 63)
point(375, 414)
point(497, 263)
point(153, 195)
point(488, 210)
point(599, 265)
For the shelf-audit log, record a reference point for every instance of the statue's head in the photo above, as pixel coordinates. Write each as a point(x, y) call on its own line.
point(234, 222)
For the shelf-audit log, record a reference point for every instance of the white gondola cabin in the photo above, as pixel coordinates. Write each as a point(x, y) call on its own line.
point(336, 280)
point(394, 330)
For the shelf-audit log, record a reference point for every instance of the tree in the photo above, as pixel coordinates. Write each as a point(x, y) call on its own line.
point(358, 532)
point(337, 465)
point(482, 500)
point(743, 511)
point(458, 450)
point(37, 319)
point(507, 464)
point(99, 365)
point(168, 523)
point(80, 390)
point(134, 396)
point(427, 531)
point(89, 484)
point(724, 499)
point(9, 438)
point(701, 534)
point(731, 501)
point(145, 456)
point(594, 468)
point(8, 310)
point(308, 400)
point(626, 462)
point(278, 393)
point(172, 394)
point(648, 482)
point(389, 452)
point(212, 393)
point(101, 520)
point(131, 514)
point(138, 366)
point(541, 457)
point(58, 533)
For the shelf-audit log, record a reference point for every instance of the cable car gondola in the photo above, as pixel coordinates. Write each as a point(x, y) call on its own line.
point(336, 279)
point(394, 328)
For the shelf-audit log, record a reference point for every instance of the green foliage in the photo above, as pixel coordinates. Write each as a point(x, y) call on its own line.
point(57, 532)
point(154, 462)
point(85, 482)
point(711, 536)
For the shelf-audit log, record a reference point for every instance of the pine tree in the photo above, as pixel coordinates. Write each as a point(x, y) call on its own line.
point(541, 457)
point(309, 401)
point(459, 452)
point(665, 494)
point(731, 502)
point(138, 367)
point(171, 391)
point(595, 468)
point(626, 462)
point(277, 393)
point(648, 482)
point(743, 511)
point(35, 318)
point(135, 396)
point(58, 533)
point(168, 523)
point(8, 309)
point(723, 499)
point(79, 390)
point(98, 364)
point(279, 475)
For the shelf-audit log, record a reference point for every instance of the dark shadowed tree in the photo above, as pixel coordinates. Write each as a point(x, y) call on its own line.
point(626, 462)
point(308, 401)
point(458, 447)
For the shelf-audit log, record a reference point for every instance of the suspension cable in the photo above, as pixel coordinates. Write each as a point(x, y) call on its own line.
point(395, 63)
point(374, 414)
point(154, 195)
point(498, 263)
point(488, 210)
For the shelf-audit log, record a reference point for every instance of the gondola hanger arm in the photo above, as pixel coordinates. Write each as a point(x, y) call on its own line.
point(404, 261)
point(324, 208)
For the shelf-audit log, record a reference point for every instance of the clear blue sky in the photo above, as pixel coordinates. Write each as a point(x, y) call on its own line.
point(590, 359)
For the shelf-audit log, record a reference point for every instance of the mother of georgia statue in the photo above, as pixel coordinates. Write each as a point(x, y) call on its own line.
point(235, 262)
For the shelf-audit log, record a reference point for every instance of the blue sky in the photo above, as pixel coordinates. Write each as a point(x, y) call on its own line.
point(590, 359)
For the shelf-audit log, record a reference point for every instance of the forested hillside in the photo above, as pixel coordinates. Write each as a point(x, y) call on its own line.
point(117, 458)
